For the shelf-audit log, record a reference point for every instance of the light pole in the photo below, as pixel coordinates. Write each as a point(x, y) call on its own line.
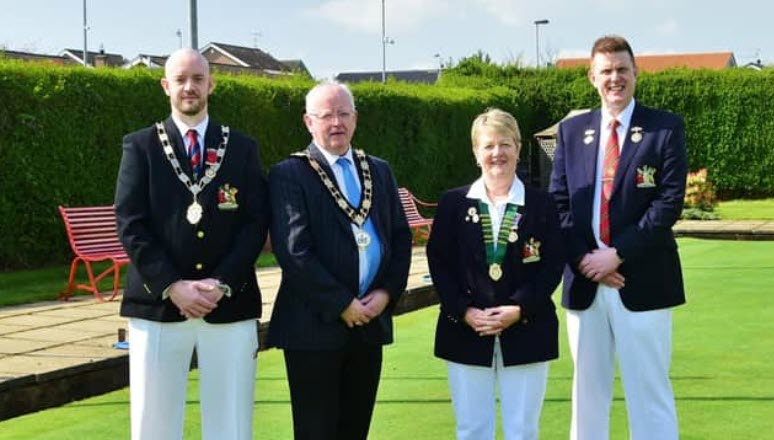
point(179, 34)
point(385, 42)
point(85, 43)
point(537, 40)
point(193, 24)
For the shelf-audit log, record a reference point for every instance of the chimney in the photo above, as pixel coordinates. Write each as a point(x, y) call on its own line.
point(100, 59)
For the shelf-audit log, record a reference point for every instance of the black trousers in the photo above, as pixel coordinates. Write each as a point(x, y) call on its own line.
point(332, 392)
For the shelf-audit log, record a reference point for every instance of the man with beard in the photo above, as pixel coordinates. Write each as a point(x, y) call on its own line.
point(192, 212)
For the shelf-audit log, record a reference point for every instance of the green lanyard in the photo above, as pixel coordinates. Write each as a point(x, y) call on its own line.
point(495, 256)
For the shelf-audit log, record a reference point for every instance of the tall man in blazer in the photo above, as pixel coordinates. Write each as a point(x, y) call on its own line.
point(342, 240)
point(192, 212)
point(619, 180)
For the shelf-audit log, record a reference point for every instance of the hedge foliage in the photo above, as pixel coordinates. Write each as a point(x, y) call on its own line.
point(728, 114)
point(61, 130)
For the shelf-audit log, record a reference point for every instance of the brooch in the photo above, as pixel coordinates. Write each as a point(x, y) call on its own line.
point(588, 136)
point(472, 215)
point(636, 134)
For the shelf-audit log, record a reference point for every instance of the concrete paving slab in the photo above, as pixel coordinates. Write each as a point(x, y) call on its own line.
point(76, 312)
point(52, 334)
point(40, 363)
point(34, 320)
point(6, 329)
point(94, 326)
point(85, 351)
point(20, 346)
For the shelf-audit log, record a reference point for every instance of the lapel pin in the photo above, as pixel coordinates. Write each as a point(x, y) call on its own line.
point(636, 134)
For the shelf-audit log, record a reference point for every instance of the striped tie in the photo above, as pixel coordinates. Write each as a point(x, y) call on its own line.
point(194, 153)
point(609, 166)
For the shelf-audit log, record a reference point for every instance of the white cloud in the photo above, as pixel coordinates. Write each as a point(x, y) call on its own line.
point(668, 28)
point(366, 16)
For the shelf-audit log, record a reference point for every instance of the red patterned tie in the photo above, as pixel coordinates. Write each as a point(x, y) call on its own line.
point(194, 152)
point(608, 175)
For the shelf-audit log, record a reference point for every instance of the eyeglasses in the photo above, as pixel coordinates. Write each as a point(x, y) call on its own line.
point(329, 116)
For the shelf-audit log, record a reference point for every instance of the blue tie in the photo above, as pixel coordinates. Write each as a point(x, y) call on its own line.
point(374, 250)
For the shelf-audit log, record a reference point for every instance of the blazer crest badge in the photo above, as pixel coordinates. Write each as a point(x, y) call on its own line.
point(646, 177)
point(227, 198)
point(530, 253)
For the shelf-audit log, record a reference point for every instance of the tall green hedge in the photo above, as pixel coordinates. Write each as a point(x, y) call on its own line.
point(728, 114)
point(61, 130)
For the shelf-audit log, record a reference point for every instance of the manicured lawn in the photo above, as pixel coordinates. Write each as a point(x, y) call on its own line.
point(746, 209)
point(721, 369)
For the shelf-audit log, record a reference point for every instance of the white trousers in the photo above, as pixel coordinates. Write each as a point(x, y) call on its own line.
point(159, 359)
point(643, 343)
point(474, 390)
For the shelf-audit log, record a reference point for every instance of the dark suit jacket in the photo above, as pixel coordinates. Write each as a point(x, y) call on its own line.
point(313, 241)
point(457, 257)
point(163, 247)
point(641, 215)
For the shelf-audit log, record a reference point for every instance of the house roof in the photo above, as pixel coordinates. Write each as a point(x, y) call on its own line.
point(414, 76)
point(152, 61)
point(656, 63)
point(28, 56)
point(296, 66)
point(248, 57)
point(112, 59)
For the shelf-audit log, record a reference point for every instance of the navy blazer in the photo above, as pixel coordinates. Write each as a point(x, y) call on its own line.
point(646, 201)
point(151, 205)
point(314, 244)
point(456, 255)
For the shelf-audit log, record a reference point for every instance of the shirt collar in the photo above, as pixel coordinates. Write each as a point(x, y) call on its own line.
point(332, 158)
point(515, 193)
point(624, 118)
point(182, 127)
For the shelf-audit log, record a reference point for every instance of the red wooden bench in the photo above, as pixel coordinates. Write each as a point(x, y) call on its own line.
point(418, 224)
point(92, 234)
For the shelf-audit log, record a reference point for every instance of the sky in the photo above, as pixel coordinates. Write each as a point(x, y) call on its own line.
point(333, 36)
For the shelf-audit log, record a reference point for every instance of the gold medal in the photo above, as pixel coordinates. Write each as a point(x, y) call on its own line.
point(495, 271)
point(362, 238)
point(513, 236)
point(194, 213)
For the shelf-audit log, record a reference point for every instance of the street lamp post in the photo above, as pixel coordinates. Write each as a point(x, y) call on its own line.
point(385, 42)
point(537, 40)
point(193, 24)
point(85, 43)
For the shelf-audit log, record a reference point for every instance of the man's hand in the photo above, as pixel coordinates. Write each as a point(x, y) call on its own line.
point(599, 264)
point(376, 301)
point(614, 280)
point(189, 299)
point(356, 314)
point(213, 292)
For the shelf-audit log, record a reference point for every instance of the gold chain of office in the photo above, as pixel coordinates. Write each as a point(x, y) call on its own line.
point(357, 216)
point(195, 211)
